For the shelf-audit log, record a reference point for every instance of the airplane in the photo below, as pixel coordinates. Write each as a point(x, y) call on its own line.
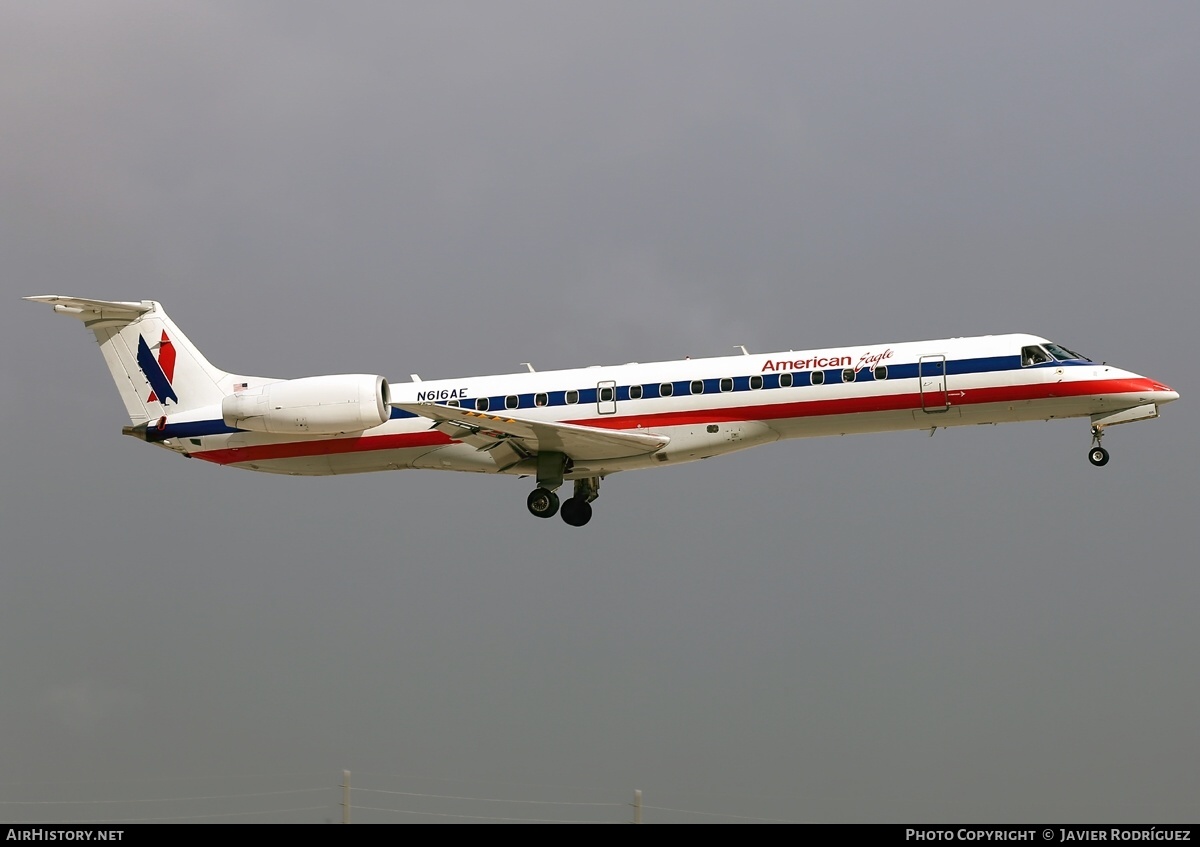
point(584, 424)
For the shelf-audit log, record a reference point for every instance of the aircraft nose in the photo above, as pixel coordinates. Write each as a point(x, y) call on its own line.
point(1166, 392)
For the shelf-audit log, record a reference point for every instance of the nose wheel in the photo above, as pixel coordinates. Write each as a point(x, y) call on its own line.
point(1098, 456)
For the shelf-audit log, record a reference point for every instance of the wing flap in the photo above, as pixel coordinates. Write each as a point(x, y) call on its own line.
point(487, 431)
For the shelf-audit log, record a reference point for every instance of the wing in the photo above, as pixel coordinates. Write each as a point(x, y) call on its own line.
point(528, 437)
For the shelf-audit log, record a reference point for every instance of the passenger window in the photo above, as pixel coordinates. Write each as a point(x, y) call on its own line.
point(635, 392)
point(541, 400)
point(785, 380)
point(697, 386)
point(1033, 355)
point(453, 403)
point(881, 371)
point(606, 394)
point(666, 389)
point(848, 375)
point(818, 377)
point(481, 404)
point(572, 397)
point(756, 382)
point(512, 401)
point(726, 384)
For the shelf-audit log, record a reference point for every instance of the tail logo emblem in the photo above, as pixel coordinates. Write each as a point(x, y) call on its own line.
point(160, 370)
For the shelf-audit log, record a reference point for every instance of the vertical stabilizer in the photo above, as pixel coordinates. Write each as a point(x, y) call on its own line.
point(158, 371)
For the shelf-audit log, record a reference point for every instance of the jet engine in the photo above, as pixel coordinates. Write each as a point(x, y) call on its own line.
point(318, 405)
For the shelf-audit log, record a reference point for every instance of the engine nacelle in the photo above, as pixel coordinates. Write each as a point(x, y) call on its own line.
point(322, 405)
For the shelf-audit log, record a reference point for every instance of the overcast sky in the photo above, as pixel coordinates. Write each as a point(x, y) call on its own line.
point(974, 627)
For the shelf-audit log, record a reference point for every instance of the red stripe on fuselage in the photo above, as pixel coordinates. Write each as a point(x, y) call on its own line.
point(765, 412)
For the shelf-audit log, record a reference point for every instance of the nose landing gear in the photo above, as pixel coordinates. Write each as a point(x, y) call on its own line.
point(1098, 456)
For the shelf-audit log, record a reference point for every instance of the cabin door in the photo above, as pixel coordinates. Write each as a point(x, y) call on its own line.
point(931, 374)
point(606, 397)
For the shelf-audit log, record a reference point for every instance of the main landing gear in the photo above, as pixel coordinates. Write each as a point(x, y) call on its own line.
point(1098, 456)
point(576, 510)
point(543, 502)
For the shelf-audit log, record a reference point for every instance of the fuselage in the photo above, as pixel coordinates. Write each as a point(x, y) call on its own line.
point(708, 407)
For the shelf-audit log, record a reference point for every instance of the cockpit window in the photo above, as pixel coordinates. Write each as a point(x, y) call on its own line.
point(1033, 355)
point(1062, 353)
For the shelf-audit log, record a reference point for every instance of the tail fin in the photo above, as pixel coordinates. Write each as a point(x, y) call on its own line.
point(156, 369)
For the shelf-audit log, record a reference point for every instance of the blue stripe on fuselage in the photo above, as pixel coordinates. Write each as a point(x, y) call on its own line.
point(682, 388)
point(800, 379)
point(198, 429)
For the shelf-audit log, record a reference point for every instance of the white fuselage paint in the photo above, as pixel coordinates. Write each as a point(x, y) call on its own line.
point(928, 384)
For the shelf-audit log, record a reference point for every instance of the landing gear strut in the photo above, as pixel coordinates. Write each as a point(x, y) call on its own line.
point(1098, 456)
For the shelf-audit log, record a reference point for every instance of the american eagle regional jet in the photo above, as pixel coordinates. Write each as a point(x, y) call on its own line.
point(583, 424)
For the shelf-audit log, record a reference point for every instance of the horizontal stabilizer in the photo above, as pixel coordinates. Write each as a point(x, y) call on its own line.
point(85, 309)
point(157, 370)
point(581, 443)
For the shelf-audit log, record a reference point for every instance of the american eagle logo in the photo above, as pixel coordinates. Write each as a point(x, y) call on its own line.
point(159, 370)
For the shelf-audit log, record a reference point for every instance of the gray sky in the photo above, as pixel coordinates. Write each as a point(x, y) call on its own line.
point(974, 627)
